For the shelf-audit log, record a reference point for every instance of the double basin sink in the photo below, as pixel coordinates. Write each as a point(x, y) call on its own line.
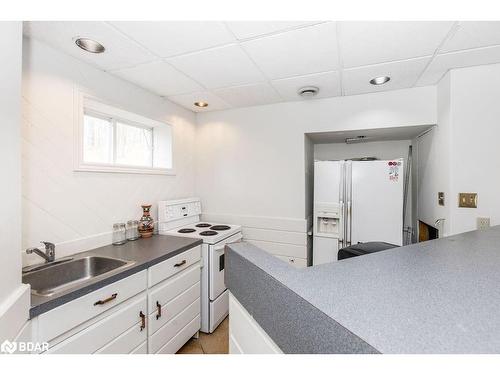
point(51, 278)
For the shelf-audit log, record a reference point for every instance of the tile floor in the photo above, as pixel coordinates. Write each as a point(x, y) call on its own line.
point(216, 343)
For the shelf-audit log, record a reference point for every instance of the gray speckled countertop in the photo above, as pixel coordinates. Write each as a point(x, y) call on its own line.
point(440, 296)
point(145, 252)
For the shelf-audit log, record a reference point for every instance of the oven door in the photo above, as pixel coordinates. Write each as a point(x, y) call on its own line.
point(216, 266)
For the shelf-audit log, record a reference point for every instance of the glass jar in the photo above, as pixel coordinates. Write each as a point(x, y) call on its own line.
point(132, 230)
point(119, 234)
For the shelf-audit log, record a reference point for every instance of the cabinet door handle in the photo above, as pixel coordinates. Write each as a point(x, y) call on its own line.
point(180, 264)
point(158, 306)
point(143, 320)
point(106, 300)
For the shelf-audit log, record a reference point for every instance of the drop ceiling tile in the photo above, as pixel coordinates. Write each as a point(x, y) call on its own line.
point(249, 95)
point(251, 29)
point(367, 43)
point(219, 67)
point(473, 34)
point(214, 102)
point(403, 74)
point(120, 51)
point(328, 84)
point(170, 38)
point(444, 62)
point(160, 78)
point(306, 50)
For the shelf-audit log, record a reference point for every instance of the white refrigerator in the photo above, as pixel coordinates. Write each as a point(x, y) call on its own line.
point(356, 201)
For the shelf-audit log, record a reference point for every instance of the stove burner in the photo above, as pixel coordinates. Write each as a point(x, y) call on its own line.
point(186, 230)
point(203, 225)
point(208, 233)
point(220, 227)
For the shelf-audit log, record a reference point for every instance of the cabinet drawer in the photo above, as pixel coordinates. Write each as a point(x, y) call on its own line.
point(171, 288)
point(293, 261)
point(141, 349)
point(63, 318)
point(175, 325)
point(170, 267)
point(181, 338)
point(126, 318)
point(127, 342)
point(172, 308)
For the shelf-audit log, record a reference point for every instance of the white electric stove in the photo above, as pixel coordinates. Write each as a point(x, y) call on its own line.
point(182, 218)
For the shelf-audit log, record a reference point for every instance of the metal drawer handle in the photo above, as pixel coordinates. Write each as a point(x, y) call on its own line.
point(106, 300)
point(143, 320)
point(180, 264)
point(158, 306)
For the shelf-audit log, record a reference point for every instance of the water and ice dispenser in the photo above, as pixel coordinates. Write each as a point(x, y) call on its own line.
point(327, 220)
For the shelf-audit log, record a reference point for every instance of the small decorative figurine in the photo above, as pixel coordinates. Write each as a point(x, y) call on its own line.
point(146, 224)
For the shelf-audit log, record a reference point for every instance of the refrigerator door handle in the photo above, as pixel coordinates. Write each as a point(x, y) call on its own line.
point(341, 225)
point(349, 227)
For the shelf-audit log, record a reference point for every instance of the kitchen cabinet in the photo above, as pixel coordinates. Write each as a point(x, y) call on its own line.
point(174, 303)
point(246, 336)
point(154, 310)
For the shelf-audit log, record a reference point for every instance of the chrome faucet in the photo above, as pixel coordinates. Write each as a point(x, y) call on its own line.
point(50, 251)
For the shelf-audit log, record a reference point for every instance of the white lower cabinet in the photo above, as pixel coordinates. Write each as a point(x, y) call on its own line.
point(174, 310)
point(141, 349)
point(153, 311)
point(246, 336)
point(181, 337)
point(119, 332)
point(174, 326)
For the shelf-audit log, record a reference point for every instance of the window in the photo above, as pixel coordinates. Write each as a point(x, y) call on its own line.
point(113, 140)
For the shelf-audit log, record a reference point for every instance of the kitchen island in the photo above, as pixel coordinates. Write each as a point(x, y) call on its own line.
point(440, 296)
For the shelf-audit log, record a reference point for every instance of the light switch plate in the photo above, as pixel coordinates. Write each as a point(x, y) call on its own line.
point(468, 200)
point(483, 222)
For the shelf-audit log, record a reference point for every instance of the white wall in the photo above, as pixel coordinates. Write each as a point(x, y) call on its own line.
point(251, 160)
point(433, 157)
point(14, 297)
point(76, 210)
point(461, 154)
point(475, 161)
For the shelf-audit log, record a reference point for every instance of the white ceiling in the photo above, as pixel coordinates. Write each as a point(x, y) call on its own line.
point(238, 64)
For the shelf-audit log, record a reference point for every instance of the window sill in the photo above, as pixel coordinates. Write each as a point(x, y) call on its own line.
point(132, 170)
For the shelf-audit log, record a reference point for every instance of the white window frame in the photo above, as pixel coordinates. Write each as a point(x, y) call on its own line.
point(85, 103)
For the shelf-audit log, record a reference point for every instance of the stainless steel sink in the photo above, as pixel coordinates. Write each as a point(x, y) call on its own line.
point(61, 276)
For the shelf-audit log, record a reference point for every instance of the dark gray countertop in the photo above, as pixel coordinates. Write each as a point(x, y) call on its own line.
point(145, 252)
point(439, 296)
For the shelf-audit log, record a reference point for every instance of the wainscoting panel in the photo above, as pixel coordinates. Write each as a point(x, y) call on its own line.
point(285, 238)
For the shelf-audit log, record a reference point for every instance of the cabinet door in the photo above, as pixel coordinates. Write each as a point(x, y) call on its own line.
point(70, 315)
point(169, 289)
point(181, 338)
point(174, 265)
point(174, 326)
point(174, 307)
point(125, 319)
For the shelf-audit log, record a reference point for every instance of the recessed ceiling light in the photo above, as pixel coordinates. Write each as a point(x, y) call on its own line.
point(308, 91)
point(201, 104)
point(90, 45)
point(380, 80)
